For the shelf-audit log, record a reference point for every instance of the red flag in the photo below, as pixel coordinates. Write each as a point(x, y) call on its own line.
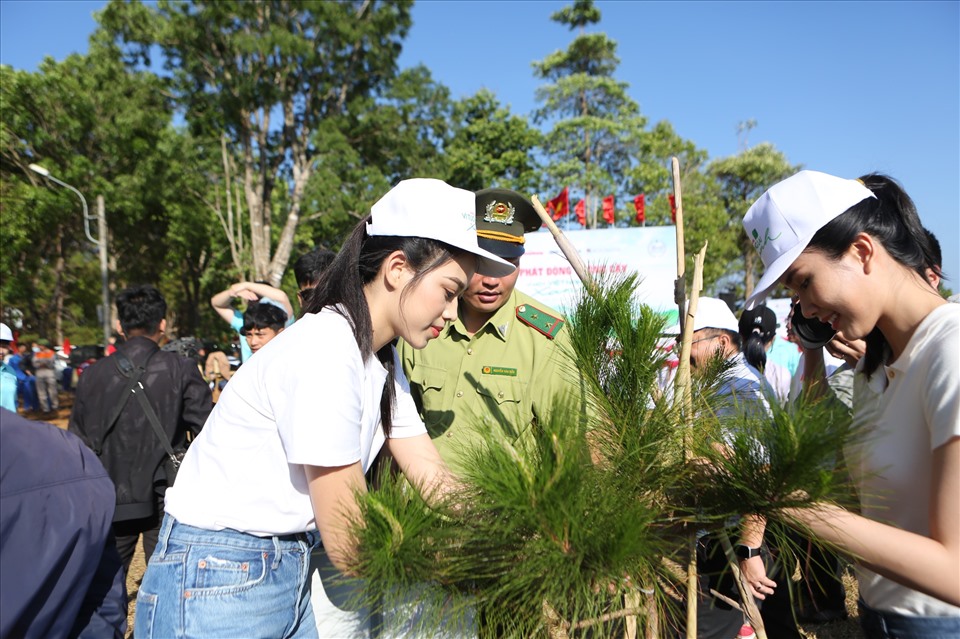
point(673, 209)
point(608, 210)
point(559, 207)
point(640, 203)
point(66, 346)
point(581, 210)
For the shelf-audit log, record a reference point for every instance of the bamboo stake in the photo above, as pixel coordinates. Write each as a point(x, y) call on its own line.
point(679, 292)
point(565, 246)
point(749, 606)
point(631, 601)
point(683, 394)
point(686, 340)
point(682, 383)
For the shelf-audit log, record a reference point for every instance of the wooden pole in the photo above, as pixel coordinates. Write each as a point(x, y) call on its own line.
point(682, 381)
point(683, 394)
point(679, 292)
point(748, 605)
point(565, 246)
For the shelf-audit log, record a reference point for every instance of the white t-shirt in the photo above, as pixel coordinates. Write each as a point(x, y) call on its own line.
point(908, 408)
point(307, 398)
point(779, 378)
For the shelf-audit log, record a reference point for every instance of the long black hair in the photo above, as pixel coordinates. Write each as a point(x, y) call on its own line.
point(758, 327)
point(892, 219)
point(357, 263)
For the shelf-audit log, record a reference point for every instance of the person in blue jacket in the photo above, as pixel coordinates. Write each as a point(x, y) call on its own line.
point(60, 573)
point(8, 376)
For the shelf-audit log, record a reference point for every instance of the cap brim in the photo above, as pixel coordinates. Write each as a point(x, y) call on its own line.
point(506, 250)
point(493, 266)
point(773, 273)
point(487, 263)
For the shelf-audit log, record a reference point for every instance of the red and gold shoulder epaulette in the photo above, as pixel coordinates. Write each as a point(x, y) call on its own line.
point(539, 320)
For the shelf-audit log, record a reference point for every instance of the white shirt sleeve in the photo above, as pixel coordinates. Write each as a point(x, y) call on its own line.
point(406, 419)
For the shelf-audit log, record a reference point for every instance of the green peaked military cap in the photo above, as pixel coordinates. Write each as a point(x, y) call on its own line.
point(503, 216)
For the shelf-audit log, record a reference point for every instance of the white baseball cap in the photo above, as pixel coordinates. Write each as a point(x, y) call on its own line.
point(785, 218)
point(711, 313)
point(430, 208)
point(714, 313)
point(6, 335)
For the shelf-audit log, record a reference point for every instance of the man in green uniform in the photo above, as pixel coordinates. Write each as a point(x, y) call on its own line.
point(495, 370)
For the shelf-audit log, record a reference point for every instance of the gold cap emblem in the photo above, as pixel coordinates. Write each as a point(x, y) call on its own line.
point(500, 212)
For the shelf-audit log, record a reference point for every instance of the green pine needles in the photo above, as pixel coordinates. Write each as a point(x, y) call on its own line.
point(583, 520)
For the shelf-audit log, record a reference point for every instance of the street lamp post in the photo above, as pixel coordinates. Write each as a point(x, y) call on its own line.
point(100, 242)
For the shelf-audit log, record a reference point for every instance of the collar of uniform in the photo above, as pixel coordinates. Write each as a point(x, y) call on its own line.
point(498, 324)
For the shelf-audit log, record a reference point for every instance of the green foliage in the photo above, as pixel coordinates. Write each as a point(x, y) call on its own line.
point(96, 127)
point(599, 143)
point(545, 531)
point(580, 14)
point(237, 66)
point(491, 147)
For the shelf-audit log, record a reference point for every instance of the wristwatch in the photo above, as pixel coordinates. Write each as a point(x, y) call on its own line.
point(745, 552)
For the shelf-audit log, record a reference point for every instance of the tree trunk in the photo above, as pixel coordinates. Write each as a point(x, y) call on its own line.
point(259, 250)
point(58, 289)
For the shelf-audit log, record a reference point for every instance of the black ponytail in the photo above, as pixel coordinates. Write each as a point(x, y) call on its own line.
point(755, 351)
point(892, 219)
point(757, 329)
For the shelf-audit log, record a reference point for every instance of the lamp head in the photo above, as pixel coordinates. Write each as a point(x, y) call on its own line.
point(36, 168)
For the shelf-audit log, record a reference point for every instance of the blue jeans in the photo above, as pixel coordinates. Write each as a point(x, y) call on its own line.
point(205, 583)
point(889, 625)
point(27, 389)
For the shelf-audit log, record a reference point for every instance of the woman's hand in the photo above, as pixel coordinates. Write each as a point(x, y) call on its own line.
point(755, 575)
point(849, 350)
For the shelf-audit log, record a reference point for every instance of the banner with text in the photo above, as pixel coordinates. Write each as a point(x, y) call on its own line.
point(649, 251)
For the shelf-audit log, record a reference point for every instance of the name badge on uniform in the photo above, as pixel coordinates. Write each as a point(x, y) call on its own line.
point(499, 370)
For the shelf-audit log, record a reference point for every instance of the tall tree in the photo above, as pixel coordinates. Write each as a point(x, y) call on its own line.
point(96, 126)
point(596, 126)
point(743, 178)
point(268, 74)
point(491, 146)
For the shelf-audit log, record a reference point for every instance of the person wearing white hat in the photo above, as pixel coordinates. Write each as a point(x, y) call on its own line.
point(8, 376)
point(857, 256)
point(275, 470)
point(716, 333)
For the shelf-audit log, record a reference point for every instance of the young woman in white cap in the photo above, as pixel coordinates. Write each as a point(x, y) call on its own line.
point(276, 467)
point(857, 257)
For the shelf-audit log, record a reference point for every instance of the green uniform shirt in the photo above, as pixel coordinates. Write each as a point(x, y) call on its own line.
point(495, 383)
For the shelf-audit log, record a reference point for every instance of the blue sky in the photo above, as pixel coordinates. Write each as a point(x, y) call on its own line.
point(841, 87)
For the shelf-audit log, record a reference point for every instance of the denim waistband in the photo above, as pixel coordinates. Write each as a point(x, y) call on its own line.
point(877, 623)
point(173, 529)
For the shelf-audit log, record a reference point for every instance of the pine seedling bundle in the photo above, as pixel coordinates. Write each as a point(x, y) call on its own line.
point(545, 535)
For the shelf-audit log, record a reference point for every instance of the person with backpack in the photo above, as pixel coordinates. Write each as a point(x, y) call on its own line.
point(123, 401)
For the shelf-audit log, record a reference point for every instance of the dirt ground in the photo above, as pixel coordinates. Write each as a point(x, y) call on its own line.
point(848, 629)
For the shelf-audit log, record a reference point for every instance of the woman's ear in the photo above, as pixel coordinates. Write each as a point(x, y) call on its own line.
point(396, 270)
point(864, 250)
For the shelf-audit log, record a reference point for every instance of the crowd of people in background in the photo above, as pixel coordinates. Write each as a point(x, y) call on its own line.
point(419, 289)
point(36, 373)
